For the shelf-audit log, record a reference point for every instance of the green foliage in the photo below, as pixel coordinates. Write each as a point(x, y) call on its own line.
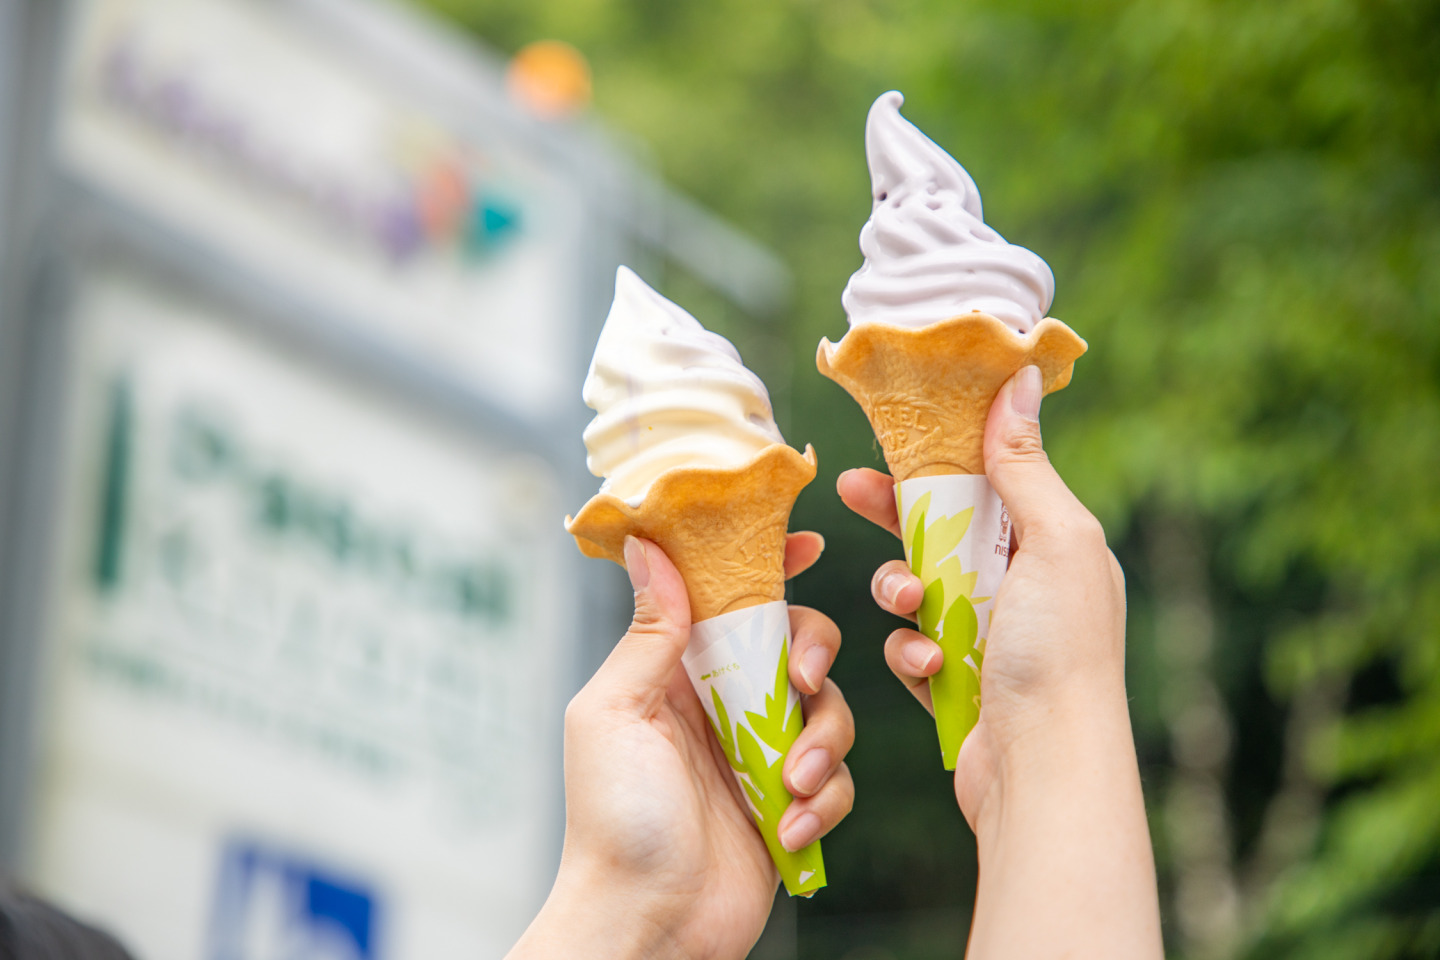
point(1241, 203)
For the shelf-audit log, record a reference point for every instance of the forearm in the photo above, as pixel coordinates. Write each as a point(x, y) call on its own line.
point(1066, 867)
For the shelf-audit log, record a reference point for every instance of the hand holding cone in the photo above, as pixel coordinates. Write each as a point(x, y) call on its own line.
point(686, 439)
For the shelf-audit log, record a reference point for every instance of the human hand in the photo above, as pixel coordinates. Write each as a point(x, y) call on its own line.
point(1057, 640)
point(661, 856)
point(1048, 778)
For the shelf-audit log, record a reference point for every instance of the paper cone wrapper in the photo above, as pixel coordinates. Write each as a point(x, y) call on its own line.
point(927, 390)
point(739, 665)
point(957, 541)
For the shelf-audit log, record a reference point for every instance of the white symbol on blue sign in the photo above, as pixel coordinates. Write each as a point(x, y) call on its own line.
point(274, 905)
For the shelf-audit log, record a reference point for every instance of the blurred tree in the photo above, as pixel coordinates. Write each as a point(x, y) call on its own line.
point(1241, 203)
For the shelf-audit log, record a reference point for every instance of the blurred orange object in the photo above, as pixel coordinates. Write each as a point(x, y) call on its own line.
point(550, 78)
point(444, 198)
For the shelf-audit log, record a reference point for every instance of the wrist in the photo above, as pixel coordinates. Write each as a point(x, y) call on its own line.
point(587, 916)
point(1068, 755)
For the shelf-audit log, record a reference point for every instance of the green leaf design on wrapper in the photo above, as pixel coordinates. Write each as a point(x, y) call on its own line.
point(804, 870)
point(947, 616)
point(723, 731)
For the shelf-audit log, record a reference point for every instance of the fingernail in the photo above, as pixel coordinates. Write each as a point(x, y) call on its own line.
point(892, 586)
point(841, 479)
point(1029, 391)
point(813, 665)
point(918, 656)
point(811, 769)
point(801, 831)
point(636, 565)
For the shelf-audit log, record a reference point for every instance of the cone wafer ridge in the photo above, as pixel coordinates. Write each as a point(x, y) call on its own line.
point(927, 390)
point(723, 528)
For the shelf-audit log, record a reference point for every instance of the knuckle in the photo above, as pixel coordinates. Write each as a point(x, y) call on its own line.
point(1076, 528)
point(830, 690)
point(847, 735)
point(802, 621)
point(834, 710)
point(576, 709)
point(1087, 531)
point(820, 629)
point(650, 629)
point(1024, 445)
point(1117, 574)
point(845, 786)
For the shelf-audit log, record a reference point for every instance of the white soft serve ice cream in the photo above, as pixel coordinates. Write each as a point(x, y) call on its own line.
point(928, 254)
point(667, 393)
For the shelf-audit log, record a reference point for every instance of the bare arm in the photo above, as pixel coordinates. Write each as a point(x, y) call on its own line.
point(1048, 779)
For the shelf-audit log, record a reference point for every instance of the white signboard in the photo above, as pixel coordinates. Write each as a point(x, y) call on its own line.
point(399, 205)
point(303, 696)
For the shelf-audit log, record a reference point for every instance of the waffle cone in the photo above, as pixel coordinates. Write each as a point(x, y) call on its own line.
point(724, 529)
point(927, 390)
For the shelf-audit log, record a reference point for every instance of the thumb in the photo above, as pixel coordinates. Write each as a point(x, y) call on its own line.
point(639, 669)
point(1015, 459)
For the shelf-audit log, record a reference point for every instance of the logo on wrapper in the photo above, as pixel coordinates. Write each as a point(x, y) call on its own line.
point(273, 905)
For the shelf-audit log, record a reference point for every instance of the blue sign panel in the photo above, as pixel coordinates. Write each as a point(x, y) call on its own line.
point(275, 905)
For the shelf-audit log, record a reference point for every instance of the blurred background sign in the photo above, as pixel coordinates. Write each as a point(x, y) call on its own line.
point(369, 176)
point(296, 612)
point(300, 328)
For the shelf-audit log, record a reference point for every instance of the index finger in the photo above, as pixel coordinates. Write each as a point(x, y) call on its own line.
point(802, 549)
point(871, 494)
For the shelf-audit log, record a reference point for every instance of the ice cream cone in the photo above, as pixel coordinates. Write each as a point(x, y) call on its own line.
point(723, 528)
point(927, 390)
